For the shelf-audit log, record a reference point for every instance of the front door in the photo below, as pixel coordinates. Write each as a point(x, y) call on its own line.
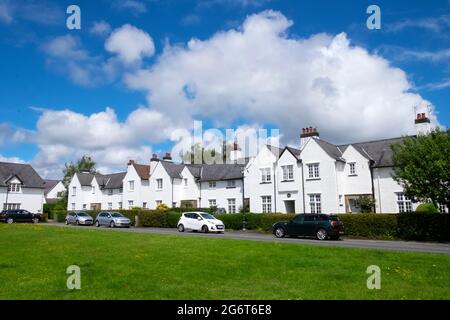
point(290, 206)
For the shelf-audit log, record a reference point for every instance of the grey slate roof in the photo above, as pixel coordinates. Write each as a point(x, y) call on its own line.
point(295, 152)
point(113, 181)
point(331, 149)
point(173, 169)
point(106, 181)
point(85, 178)
point(217, 172)
point(49, 185)
point(378, 150)
point(24, 172)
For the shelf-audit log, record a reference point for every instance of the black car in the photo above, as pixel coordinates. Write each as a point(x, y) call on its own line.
point(321, 226)
point(10, 216)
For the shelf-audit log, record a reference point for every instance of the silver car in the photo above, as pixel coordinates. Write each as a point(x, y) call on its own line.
point(112, 219)
point(79, 218)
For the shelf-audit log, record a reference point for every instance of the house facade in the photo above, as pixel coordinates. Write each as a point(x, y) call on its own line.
point(54, 190)
point(21, 187)
point(316, 177)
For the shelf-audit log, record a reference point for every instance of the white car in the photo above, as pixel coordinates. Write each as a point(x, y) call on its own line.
point(200, 221)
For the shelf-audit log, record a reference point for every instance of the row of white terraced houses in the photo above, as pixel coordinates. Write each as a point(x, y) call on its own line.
point(318, 177)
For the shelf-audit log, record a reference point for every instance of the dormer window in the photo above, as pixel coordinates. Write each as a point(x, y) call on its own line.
point(266, 175)
point(14, 188)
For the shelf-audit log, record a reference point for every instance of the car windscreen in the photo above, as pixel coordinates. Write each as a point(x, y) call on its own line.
point(207, 216)
point(116, 215)
point(334, 218)
point(82, 214)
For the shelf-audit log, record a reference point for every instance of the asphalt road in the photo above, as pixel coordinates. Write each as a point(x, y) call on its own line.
point(409, 246)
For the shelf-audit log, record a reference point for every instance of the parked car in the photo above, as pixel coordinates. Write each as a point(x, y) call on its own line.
point(112, 219)
point(321, 226)
point(79, 218)
point(200, 221)
point(10, 216)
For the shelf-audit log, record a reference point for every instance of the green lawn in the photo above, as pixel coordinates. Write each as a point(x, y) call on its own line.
point(121, 265)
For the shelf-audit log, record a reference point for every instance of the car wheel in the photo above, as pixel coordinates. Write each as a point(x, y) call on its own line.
point(180, 228)
point(66, 222)
point(35, 220)
point(77, 223)
point(280, 233)
point(321, 234)
point(97, 224)
point(112, 224)
point(9, 220)
point(205, 229)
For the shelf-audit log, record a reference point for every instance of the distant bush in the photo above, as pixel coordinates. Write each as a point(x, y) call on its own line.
point(423, 226)
point(427, 208)
point(371, 225)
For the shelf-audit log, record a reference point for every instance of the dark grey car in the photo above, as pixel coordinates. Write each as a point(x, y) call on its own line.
point(112, 220)
point(79, 218)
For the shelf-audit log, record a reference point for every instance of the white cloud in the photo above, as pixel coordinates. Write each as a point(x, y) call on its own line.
point(130, 44)
point(101, 135)
point(134, 6)
point(41, 12)
point(100, 28)
point(261, 74)
point(433, 24)
point(5, 13)
point(11, 159)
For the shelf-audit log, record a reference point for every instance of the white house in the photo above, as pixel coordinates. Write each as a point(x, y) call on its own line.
point(54, 190)
point(316, 177)
point(136, 186)
point(89, 191)
point(21, 187)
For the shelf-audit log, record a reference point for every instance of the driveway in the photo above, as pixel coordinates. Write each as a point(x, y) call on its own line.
point(409, 246)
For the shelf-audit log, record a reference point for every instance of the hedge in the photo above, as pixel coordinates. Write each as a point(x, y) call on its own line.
point(406, 226)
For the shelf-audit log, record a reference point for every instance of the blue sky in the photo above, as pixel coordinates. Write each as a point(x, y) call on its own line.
point(47, 70)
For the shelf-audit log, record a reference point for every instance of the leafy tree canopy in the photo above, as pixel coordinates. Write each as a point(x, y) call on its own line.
point(85, 164)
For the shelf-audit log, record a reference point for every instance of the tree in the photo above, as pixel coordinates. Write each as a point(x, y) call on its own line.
point(200, 155)
point(422, 167)
point(85, 164)
point(366, 204)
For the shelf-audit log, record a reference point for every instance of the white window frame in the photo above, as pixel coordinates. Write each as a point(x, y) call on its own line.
point(120, 205)
point(231, 205)
point(404, 204)
point(159, 184)
point(74, 191)
point(212, 184)
point(288, 172)
point(130, 204)
point(93, 189)
point(131, 185)
point(14, 188)
point(443, 208)
point(110, 192)
point(352, 168)
point(11, 206)
point(185, 182)
point(158, 202)
point(231, 184)
point(110, 205)
point(313, 170)
point(144, 205)
point(315, 202)
point(266, 203)
point(212, 203)
point(73, 206)
point(266, 175)
point(84, 206)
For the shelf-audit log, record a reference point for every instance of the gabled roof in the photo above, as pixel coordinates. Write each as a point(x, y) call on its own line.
point(85, 178)
point(142, 170)
point(105, 181)
point(50, 184)
point(112, 181)
point(172, 169)
point(217, 172)
point(379, 151)
point(195, 170)
point(295, 152)
point(332, 150)
point(24, 172)
point(275, 150)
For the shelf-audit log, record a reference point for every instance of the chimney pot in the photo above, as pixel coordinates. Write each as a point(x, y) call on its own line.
point(167, 156)
point(154, 157)
point(130, 162)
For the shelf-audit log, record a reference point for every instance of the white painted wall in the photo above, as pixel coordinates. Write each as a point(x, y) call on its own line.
point(53, 193)
point(30, 199)
point(254, 189)
point(292, 188)
point(164, 195)
point(221, 193)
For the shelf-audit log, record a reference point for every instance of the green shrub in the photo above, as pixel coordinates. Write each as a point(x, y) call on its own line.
point(427, 208)
point(231, 221)
point(172, 219)
point(153, 218)
point(371, 225)
point(423, 226)
point(59, 215)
